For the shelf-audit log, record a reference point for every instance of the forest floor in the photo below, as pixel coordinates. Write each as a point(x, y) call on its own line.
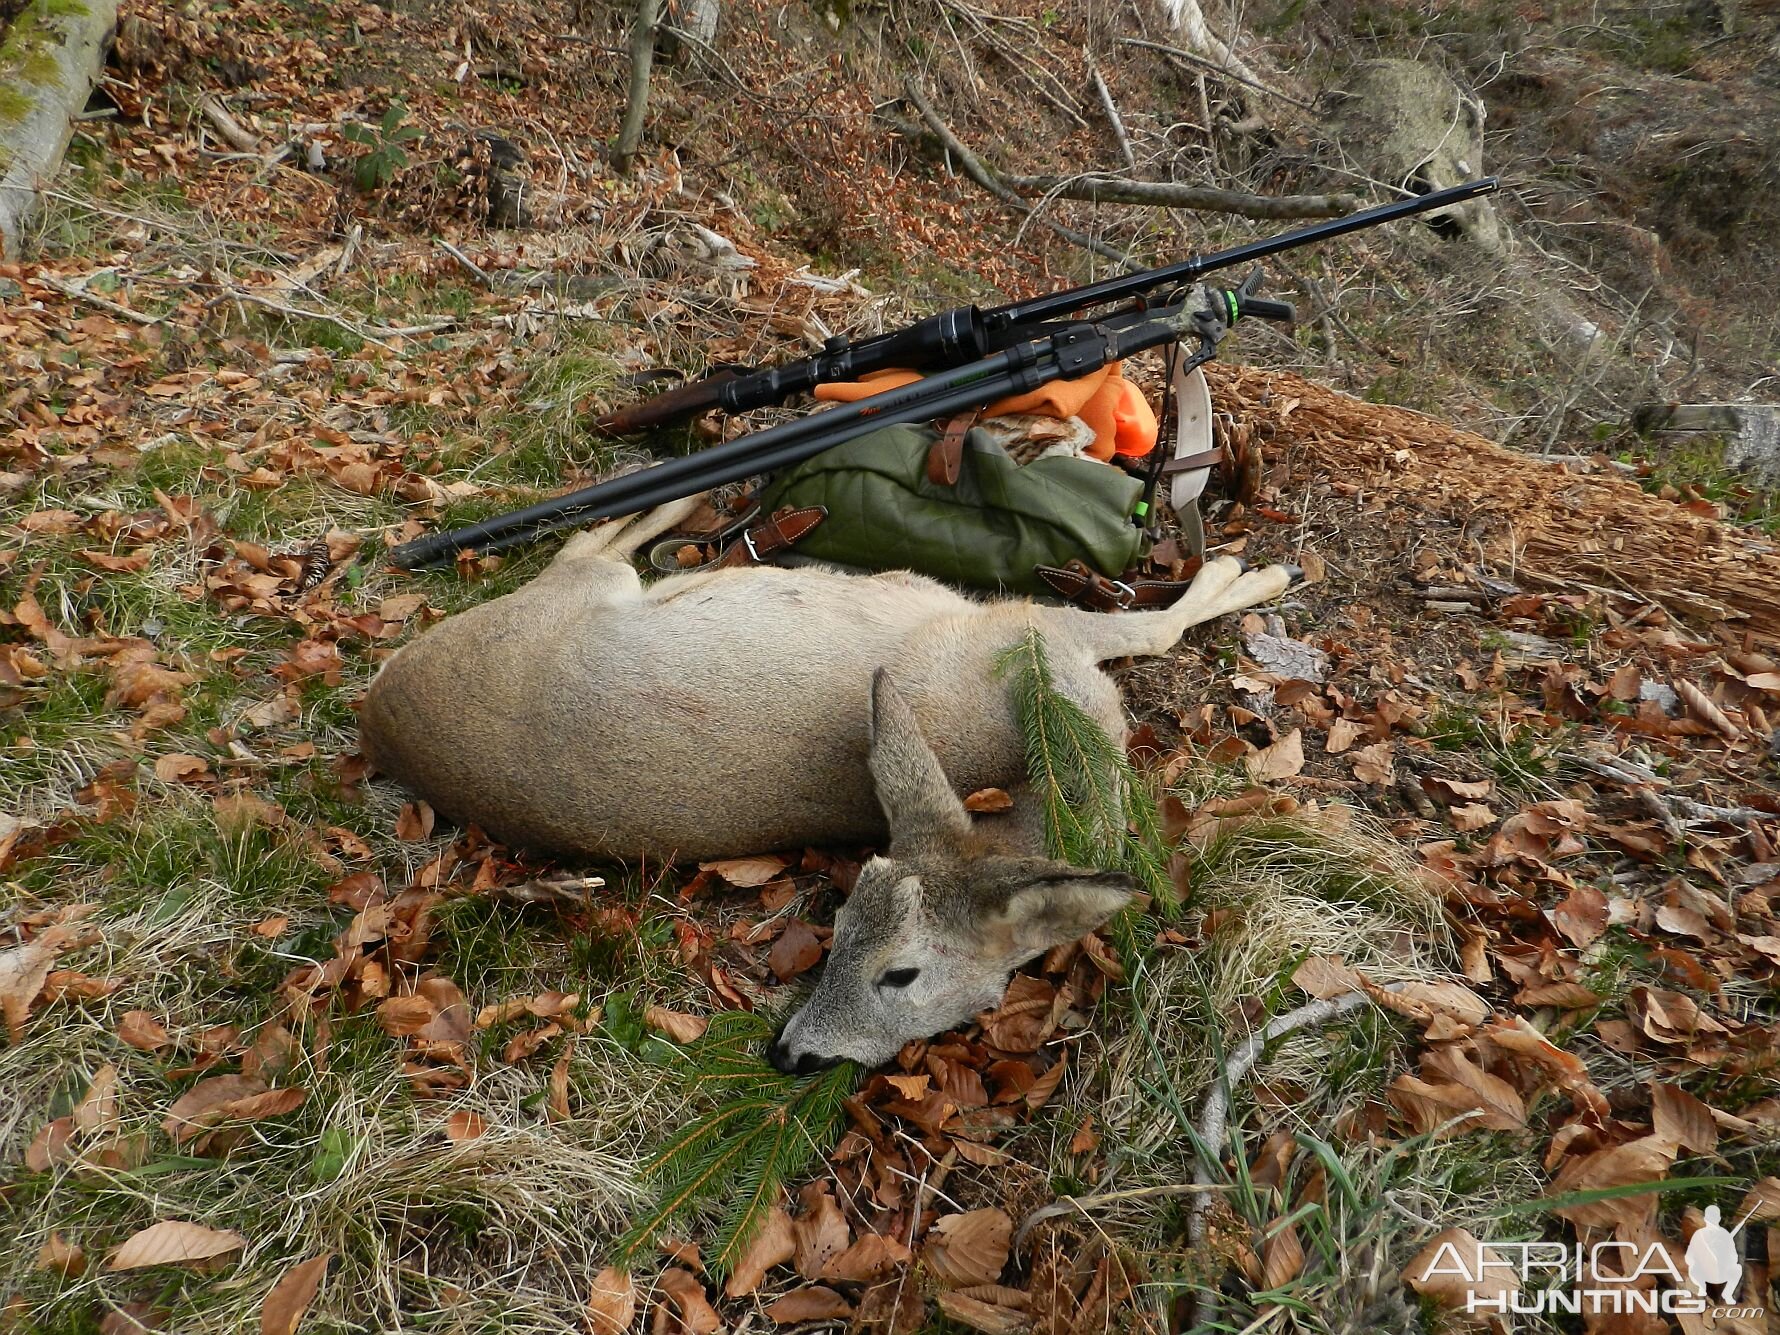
point(281, 1046)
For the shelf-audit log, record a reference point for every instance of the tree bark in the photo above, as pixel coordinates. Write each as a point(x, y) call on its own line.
point(642, 59)
point(34, 132)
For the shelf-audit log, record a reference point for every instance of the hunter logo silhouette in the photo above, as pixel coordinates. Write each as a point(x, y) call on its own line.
point(1712, 1260)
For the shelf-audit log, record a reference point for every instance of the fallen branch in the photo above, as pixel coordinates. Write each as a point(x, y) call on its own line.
point(78, 292)
point(475, 270)
point(1085, 1205)
point(370, 335)
point(977, 172)
point(1113, 118)
point(1189, 58)
point(1098, 189)
point(235, 134)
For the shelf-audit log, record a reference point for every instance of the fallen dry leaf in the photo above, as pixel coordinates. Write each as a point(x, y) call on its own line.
point(612, 1304)
point(774, 1244)
point(746, 873)
point(178, 767)
point(1282, 1257)
point(810, 1303)
point(289, 1300)
point(1678, 1116)
point(62, 1256)
point(688, 1297)
point(989, 1317)
point(415, 822)
point(970, 1248)
point(677, 1025)
point(796, 950)
point(1282, 760)
point(986, 800)
point(96, 1112)
point(174, 1242)
point(1456, 1270)
point(143, 1031)
point(465, 1125)
point(820, 1232)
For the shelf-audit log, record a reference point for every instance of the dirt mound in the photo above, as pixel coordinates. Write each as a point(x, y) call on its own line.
point(1535, 520)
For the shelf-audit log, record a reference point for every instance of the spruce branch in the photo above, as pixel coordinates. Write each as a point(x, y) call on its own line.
point(741, 1151)
point(1099, 812)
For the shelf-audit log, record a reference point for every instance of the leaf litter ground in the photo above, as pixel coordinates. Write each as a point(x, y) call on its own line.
point(279, 1043)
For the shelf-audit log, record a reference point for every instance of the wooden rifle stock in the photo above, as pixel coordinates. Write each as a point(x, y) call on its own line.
point(682, 404)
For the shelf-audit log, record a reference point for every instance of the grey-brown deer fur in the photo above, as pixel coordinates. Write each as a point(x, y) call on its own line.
point(731, 711)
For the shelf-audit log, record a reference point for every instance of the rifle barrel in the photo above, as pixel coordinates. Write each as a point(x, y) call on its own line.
point(1134, 284)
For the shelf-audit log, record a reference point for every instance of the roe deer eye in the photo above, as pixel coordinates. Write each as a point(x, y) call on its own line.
point(899, 977)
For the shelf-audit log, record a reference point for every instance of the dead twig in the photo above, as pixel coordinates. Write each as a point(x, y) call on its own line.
point(78, 292)
point(1084, 1205)
point(1098, 189)
point(1189, 58)
point(1113, 118)
point(977, 172)
point(475, 270)
point(233, 132)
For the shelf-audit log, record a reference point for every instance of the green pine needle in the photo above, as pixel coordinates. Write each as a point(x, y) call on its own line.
point(743, 1151)
point(1098, 811)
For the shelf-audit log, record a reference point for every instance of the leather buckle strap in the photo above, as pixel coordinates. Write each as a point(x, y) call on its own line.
point(946, 459)
point(762, 542)
point(1186, 464)
point(1081, 584)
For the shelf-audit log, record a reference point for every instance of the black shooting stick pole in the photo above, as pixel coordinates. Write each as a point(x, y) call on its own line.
point(1131, 285)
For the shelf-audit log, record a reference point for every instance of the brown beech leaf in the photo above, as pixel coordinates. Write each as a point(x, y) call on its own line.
point(1470, 816)
point(415, 822)
point(142, 1031)
point(1323, 977)
point(820, 1233)
point(1762, 1201)
point(677, 1025)
point(227, 1098)
point(810, 1303)
point(986, 800)
point(1582, 916)
point(688, 1297)
point(1282, 760)
point(64, 1257)
point(970, 1248)
point(174, 1242)
point(178, 767)
point(1678, 1116)
point(612, 1305)
point(1458, 1271)
point(96, 1112)
point(746, 873)
point(289, 1300)
point(1282, 1257)
point(796, 950)
point(1631, 1164)
point(870, 1258)
point(558, 1101)
point(465, 1125)
point(52, 1144)
point(774, 1244)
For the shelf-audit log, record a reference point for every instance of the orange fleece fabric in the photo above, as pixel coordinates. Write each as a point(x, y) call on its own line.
point(1121, 418)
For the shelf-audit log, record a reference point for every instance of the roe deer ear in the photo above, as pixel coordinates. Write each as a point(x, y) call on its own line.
point(917, 798)
point(1056, 909)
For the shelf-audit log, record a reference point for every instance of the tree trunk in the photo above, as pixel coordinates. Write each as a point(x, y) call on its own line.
point(37, 113)
point(642, 57)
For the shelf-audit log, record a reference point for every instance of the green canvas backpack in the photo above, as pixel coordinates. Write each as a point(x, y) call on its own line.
point(986, 521)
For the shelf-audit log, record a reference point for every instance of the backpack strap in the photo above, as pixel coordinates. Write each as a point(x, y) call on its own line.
point(946, 459)
point(1079, 583)
point(766, 540)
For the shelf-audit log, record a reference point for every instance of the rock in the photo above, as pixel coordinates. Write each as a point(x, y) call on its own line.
point(1751, 431)
point(1410, 123)
point(1292, 659)
point(1663, 694)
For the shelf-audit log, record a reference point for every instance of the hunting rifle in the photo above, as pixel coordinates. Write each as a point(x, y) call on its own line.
point(1042, 353)
point(967, 334)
